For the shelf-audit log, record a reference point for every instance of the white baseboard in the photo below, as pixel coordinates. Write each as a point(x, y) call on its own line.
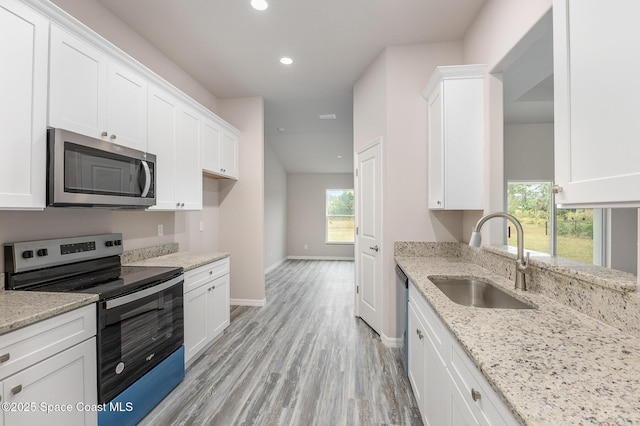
point(275, 265)
point(392, 342)
point(320, 258)
point(248, 302)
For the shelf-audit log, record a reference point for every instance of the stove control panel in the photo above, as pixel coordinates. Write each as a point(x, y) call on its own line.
point(30, 255)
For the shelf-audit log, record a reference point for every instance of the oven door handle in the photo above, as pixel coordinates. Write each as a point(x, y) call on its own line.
point(119, 301)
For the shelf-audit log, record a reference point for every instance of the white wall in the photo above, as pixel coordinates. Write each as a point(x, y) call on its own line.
point(275, 209)
point(306, 206)
point(497, 29)
point(528, 152)
point(388, 103)
point(242, 202)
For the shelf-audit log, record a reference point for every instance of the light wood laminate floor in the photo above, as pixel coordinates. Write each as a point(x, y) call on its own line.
point(303, 359)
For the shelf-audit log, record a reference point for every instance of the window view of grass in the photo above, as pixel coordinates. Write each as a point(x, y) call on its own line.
point(531, 203)
point(340, 216)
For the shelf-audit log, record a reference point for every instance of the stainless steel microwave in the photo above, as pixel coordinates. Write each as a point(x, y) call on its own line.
point(83, 171)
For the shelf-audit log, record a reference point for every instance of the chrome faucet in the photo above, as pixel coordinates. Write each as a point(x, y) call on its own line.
point(522, 263)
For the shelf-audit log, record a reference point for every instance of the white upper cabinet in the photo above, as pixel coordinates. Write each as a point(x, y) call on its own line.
point(597, 101)
point(93, 95)
point(163, 115)
point(456, 136)
point(23, 106)
point(174, 137)
point(187, 159)
point(219, 151)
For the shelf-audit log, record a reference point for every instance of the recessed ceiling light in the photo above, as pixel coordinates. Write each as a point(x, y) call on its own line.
point(286, 61)
point(339, 156)
point(280, 130)
point(327, 116)
point(259, 4)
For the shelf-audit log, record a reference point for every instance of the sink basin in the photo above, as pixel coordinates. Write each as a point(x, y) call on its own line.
point(478, 293)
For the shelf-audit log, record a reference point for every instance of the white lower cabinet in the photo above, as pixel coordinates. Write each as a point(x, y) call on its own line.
point(48, 372)
point(206, 306)
point(448, 388)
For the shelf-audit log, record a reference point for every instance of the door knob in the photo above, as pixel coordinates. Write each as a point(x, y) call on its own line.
point(375, 248)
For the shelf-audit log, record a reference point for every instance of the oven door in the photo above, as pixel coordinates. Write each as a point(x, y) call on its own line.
point(91, 172)
point(136, 332)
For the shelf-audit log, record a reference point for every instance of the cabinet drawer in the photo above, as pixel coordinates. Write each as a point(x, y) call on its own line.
point(433, 325)
point(36, 342)
point(204, 274)
point(487, 408)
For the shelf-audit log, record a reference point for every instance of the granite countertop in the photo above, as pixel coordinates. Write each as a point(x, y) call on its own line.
point(21, 308)
point(186, 260)
point(551, 365)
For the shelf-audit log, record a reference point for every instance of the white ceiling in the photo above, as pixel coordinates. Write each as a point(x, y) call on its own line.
point(234, 51)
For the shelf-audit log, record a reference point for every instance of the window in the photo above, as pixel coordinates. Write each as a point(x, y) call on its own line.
point(532, 204)
point(340, 216)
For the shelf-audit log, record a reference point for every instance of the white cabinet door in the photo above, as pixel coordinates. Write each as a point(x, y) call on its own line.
point(459, 411)
point(195, 323)
point(66, 380)
point(187, 157)
point(456, 137)
point(416, 356)
point(229, 155)
point(436, 150)
point(163, 113)
point(93, 95)
point(23, 84)
point(211, 135)
point(77, 85)
point(218, 306)
point(219, 151)
point(596, 102)
point(436, 383)
point(126, 107)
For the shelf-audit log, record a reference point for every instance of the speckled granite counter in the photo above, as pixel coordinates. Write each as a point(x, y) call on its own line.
point(22, 308)
point(186, 260)
point(552, 365)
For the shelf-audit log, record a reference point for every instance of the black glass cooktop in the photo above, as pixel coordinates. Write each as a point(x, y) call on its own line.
point(105, 278)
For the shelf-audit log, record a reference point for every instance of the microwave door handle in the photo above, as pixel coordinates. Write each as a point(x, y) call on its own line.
point(147, 179)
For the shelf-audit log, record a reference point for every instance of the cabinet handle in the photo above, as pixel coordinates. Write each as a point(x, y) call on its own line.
point(419, 333)
point(209, 289)
point(556, 189)
point(181, 204)
point(4, 357)
point(177, 204)
point(475, 395)
point(16, 390)
point(104, 134)
point(438, 202)
point(213, 288)
point(210, 272)
point(113, 137)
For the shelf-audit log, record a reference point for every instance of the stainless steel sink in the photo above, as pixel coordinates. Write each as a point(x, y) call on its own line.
point(478, 293)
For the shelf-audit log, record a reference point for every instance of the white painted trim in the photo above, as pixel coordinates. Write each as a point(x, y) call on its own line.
point(248, 302)
point(275, 265)
point(321, 258)
point(392, 342)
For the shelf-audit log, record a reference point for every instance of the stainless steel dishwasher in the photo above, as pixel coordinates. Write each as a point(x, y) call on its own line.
point(402, 298)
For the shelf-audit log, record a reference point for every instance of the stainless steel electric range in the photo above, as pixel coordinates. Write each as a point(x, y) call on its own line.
point(140, 314)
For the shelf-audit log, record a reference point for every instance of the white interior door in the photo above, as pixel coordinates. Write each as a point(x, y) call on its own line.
point(368, 238)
